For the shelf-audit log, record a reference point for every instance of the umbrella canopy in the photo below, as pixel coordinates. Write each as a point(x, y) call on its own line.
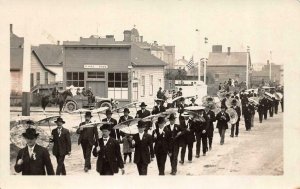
point(185, 97)
point(270, 95)
point(99, 110)
point(127, 123)
point(47, 120)
point(22, 118)
point(94, 124)
point(81, 110)
point(17, 138)
point(194, 108)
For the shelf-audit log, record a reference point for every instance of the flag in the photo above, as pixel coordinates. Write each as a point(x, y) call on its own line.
point(191, 64)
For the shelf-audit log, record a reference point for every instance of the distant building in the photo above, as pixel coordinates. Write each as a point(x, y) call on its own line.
point(16, 62)
point(163, 52)
point(224, 65)
point(192, 74)
point(115, 69)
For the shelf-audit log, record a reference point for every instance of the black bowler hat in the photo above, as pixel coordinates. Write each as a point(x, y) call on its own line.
point(192, 99)
point(143, 104)
point(30, 122)
point(141, 124)
point(180, 89)
point(108, 111)
point(59, 119)
point(126, 110)
point(105, 127)
point(30, 133)
point(88, 114)
point(172, 117)
point(161, 120)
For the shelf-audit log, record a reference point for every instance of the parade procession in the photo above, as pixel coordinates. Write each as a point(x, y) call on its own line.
point(175, 132)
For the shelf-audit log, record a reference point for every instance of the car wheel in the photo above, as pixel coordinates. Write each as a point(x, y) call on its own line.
point(70, 106)
point(106, 104)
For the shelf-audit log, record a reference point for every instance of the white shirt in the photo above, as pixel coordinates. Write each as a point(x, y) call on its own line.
point(30, 150)
point(59, 131)
point(160, 130)
point(141, 135)
point(172, 127)
point(187, 122)
point(105, 140)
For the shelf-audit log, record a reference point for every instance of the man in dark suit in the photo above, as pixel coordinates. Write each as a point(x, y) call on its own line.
point(222, 118)
point(62, 145)
point(237, 124)
point(260, 110)
point(114, 133)
point(158, 108)
point(161, 137)
point(142, 113)
point(248, 113)
point(174, 143)
point(201, 134)
point(123, 118)
point(33, 159)
point(142, 142)
point(181, 105)
point(189, 136)
point(193, 102)
point(87, 138)
point(107, 149)
point(210, 119)
point(223, 102)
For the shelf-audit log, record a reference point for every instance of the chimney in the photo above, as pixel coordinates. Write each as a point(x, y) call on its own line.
point(217, 48)
point(141, 38)
point(58, 42)
point(11, 28)
point(127, 36)
point(228, 51)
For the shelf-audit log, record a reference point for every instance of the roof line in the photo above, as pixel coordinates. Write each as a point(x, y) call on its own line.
point(39, 60)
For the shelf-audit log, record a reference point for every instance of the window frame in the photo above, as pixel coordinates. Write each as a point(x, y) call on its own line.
point(80, 79)
point(120, 85)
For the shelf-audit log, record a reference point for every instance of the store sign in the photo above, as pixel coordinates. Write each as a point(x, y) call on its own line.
point(95, 66)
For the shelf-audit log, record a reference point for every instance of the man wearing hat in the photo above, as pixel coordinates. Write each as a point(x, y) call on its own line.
point(179, 93)
point(248, 113)
point(33, 159)
point(142, 113)
point(223, 102)
point(160, 94)
point(114, 133)
point(161, 137)
point(189, 136)
point(210, 119)
point(193, 102)
point(181, 105)
point(125, 117)
point(201, 134)
point(107, 149)
point(142, 142)
point(62, 145)
point(222, 118)
point(159, 107)
point(237, 124)
point(174, 142)
point(87, 138)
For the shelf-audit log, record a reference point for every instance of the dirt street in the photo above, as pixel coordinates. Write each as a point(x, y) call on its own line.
point(255, 152)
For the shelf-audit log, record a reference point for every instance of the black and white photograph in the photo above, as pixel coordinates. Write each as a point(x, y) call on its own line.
point(197, 91)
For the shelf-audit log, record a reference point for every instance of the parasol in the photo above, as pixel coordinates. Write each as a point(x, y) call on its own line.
point(46, 120)
point(89, 125)
point(194, 108)
point(185, 97)
point(17, 138)
point(21, 119)
point(80, 111)
point(129, 126)
point(233, 115)
point(99, 110)
point(270, 95)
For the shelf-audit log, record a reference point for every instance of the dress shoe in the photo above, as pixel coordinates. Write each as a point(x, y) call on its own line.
point(173, 173)
point(231, 136)
point(181, 162)
point(197, 156)
point(204, 154)
point(86, 169)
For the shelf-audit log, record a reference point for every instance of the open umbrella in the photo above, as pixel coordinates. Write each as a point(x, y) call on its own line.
point(17, 138)
point(270, 95)
point(194, 108)
point(80, 111)
point(185, 97)
point(99, 110)
point(129, 126)
point(93, 124)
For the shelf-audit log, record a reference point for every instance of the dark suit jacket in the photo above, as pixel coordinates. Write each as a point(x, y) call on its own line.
point(110, 153)
point(210, 119)
point(122, 118)
point(223, 102)
point(189, 130)
point(248, 111)
point(114, 133)
point(175, 140)
point(37, 166)
point(157, 111)
point(181, 108)
point(222, 123)
point(90, 134)
point(62, 143)
point(143, 148)
point(200, 125)
point(162, 141)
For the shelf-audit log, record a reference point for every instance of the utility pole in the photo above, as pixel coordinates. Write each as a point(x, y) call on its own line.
point(247, 68)
point(270, 73)
point(26, 74)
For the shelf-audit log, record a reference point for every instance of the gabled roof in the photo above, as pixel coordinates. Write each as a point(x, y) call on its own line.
point(16, 52)
point(223, 59)
point(39, 60)
point(140, 57)
point(49, 54)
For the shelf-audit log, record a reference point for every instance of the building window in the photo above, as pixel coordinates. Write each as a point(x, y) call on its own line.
point(46, 78)
point(118, 85)
point(151, 85)
point(135, 91)
point(143, 86)
point(38, 78)
point(31, 80)
point(75, 78)
point(96, 75)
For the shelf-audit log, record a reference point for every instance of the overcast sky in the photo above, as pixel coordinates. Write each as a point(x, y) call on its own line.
point(269, 25)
